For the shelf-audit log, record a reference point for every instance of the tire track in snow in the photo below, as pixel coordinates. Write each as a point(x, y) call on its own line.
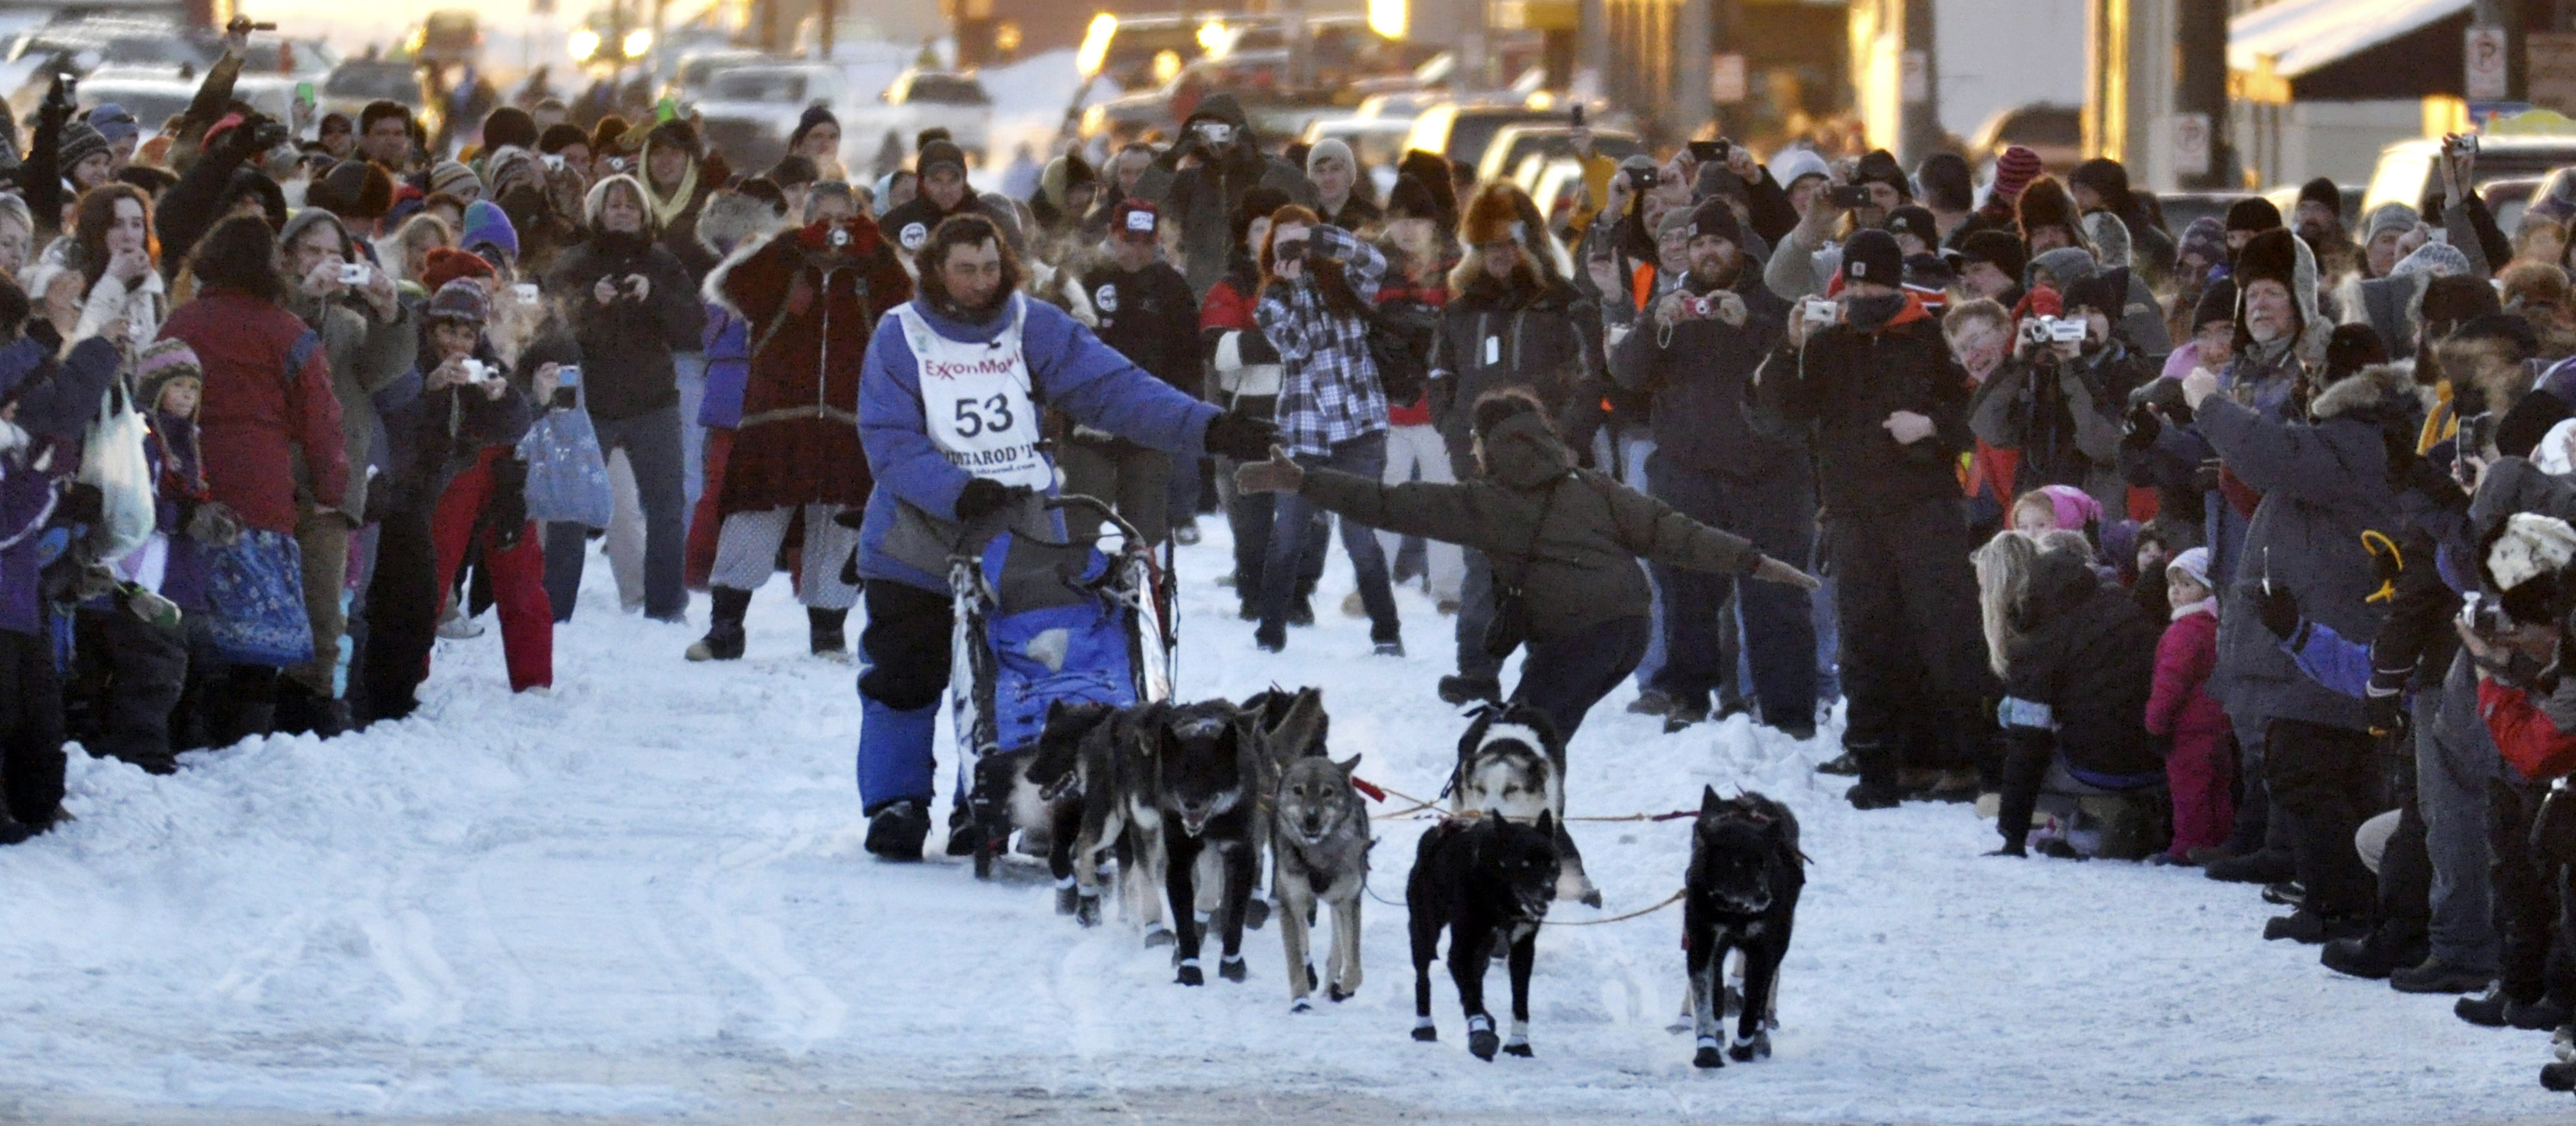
point(403, 944)
point(804, 1008)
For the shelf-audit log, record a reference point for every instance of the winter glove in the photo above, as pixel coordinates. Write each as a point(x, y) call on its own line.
point(2143, 427)
point(1769, 570)
point(1243, 439)
point(1279, 474)
point(215, 525)
point(2279, 609)
point(2385, 712)
point(2205, 477)
point(985, 496)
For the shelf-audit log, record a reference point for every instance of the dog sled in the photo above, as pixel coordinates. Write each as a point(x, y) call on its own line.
point(1041, 622)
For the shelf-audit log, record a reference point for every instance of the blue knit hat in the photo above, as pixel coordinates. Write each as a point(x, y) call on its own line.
point(113, 122)
point(487, 225)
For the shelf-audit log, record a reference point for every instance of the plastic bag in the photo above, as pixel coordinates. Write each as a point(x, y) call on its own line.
point(113, 461)
point(567, 477)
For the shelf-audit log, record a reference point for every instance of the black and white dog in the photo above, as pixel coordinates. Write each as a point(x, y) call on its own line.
point(1741, 894)
point(1203, 785)
point(1486, 880)
point(1098, 757)
point(1511, 761)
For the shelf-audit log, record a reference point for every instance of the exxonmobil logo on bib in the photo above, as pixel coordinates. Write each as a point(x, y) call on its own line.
point(959, 369)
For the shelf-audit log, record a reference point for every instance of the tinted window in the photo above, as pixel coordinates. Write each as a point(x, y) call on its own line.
point(946, 89)
point(757, 86)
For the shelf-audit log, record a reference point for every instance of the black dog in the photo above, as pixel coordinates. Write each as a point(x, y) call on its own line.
point(1485, 880)
point(1742, 894)
point(1203, 781)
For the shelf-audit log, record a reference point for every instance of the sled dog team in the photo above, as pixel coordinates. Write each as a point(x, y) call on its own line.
point(1187, 797)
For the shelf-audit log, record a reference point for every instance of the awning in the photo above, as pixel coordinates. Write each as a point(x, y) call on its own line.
point(2302, 35)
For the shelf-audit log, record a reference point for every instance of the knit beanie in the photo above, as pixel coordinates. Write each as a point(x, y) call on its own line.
point(814, 115)
point(113, 122)
point(2440, 259)
point(454, 178)
point(1792, 165)
point(1410, 200)
point(1873, 256)
point(1915, 220)
point(2388, 217)
point(2014, 170)
point(459, 299)
point(1999, 248)
point(161, 363)
point(1878, 166)
point(2323, 191)
point(487, 225)
point(1432, 170)
point(445, 264)
point(80, 142)
point(938, 154)
point(2253, 213)
point(2217, 303)
point(1716, 217)
point(1331, 148)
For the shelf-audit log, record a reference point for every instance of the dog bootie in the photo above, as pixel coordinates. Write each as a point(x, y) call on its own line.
point(1481, 1041)
point(724, 639)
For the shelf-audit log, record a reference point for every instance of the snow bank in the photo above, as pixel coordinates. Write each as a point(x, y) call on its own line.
point(645, 895)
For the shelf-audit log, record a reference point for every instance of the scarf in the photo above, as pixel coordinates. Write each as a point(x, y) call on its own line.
point(667, 212)
point(2207, 606)
point(1870, 314)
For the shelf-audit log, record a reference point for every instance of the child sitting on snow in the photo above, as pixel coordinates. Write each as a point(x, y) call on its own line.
point(2196, 770)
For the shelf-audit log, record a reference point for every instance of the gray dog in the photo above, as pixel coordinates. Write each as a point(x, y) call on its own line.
point(1319, 848)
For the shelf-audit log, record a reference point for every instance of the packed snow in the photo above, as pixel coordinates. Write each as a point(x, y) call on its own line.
point(645, 895)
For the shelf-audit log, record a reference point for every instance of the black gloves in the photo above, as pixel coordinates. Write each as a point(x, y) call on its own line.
point(2385, 711)
point(2143, 427)
point(1243, 439)
point(2279, 609)
point(985, 496)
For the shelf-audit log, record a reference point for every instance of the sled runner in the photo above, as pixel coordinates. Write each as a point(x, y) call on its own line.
point(1037, 622)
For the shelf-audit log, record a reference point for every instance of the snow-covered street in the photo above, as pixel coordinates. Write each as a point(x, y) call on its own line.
point(644, 896)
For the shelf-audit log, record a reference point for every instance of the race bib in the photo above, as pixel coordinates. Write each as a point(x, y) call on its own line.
point(975, 401)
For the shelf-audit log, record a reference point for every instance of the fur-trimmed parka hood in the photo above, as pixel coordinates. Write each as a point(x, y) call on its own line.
point(732, 220)
point(2380, 391)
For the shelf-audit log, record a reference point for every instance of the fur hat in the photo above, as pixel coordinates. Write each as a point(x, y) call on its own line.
point(2351, 348)
point(1409, 199)
point(2521, 559)
point(1494, 215)
point(733, 220)
point(2268, 256)
point(2044, 204)
point(2108, 179)
point(2253, 213)
point(2015, 168)
point(2109, 235)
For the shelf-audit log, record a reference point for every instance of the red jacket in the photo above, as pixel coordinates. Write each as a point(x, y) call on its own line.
point(2180, 703)
point(269, 437)
point(798, 441)
point(2530, 742)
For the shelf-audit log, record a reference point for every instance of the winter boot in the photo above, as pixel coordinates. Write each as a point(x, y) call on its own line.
point(1456, 691)
point(2558, 1075)
point(2437, 976)
point(2492, 1009)
point(1845, 764)
point(2310, 928)
point(1650, 702)
point(724, 639)
point(1875, 795)
point(825, 626)
point(965, 834)
point(896, 832)
point(2264, 867)
point(2371, 958)
point(1685, 713)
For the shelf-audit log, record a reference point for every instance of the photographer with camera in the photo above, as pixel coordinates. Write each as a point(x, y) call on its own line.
point(1715, 464)
point(815, 294)
point(1870, 381)
point(370, 339)
point(2058, 401)
point(1858, 200)
point(1200, 180)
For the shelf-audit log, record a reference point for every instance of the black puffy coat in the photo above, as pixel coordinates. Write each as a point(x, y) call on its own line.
point(626, 345)
point(1700, 372)
point(2088, 656)
point(1537, 335)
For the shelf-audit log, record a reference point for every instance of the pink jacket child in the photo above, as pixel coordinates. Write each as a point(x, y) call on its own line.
point(2204, 803)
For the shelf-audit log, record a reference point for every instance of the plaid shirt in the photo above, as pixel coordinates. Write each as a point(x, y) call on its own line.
point(1329, 390)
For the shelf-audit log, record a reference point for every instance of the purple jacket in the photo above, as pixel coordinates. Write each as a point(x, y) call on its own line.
point(56, 403)
point(728, 340)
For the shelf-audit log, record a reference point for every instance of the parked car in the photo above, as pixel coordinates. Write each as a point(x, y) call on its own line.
point(749, 111)
point(1129, 50)
point(1513, 144)
point(1461, 132)
point(1258, 80)
point(690, 75)
point(1375, 140)
point(2055, 132)
point(919, 99)
point(2406, 172)
point(353, 84)
point(156, 94)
